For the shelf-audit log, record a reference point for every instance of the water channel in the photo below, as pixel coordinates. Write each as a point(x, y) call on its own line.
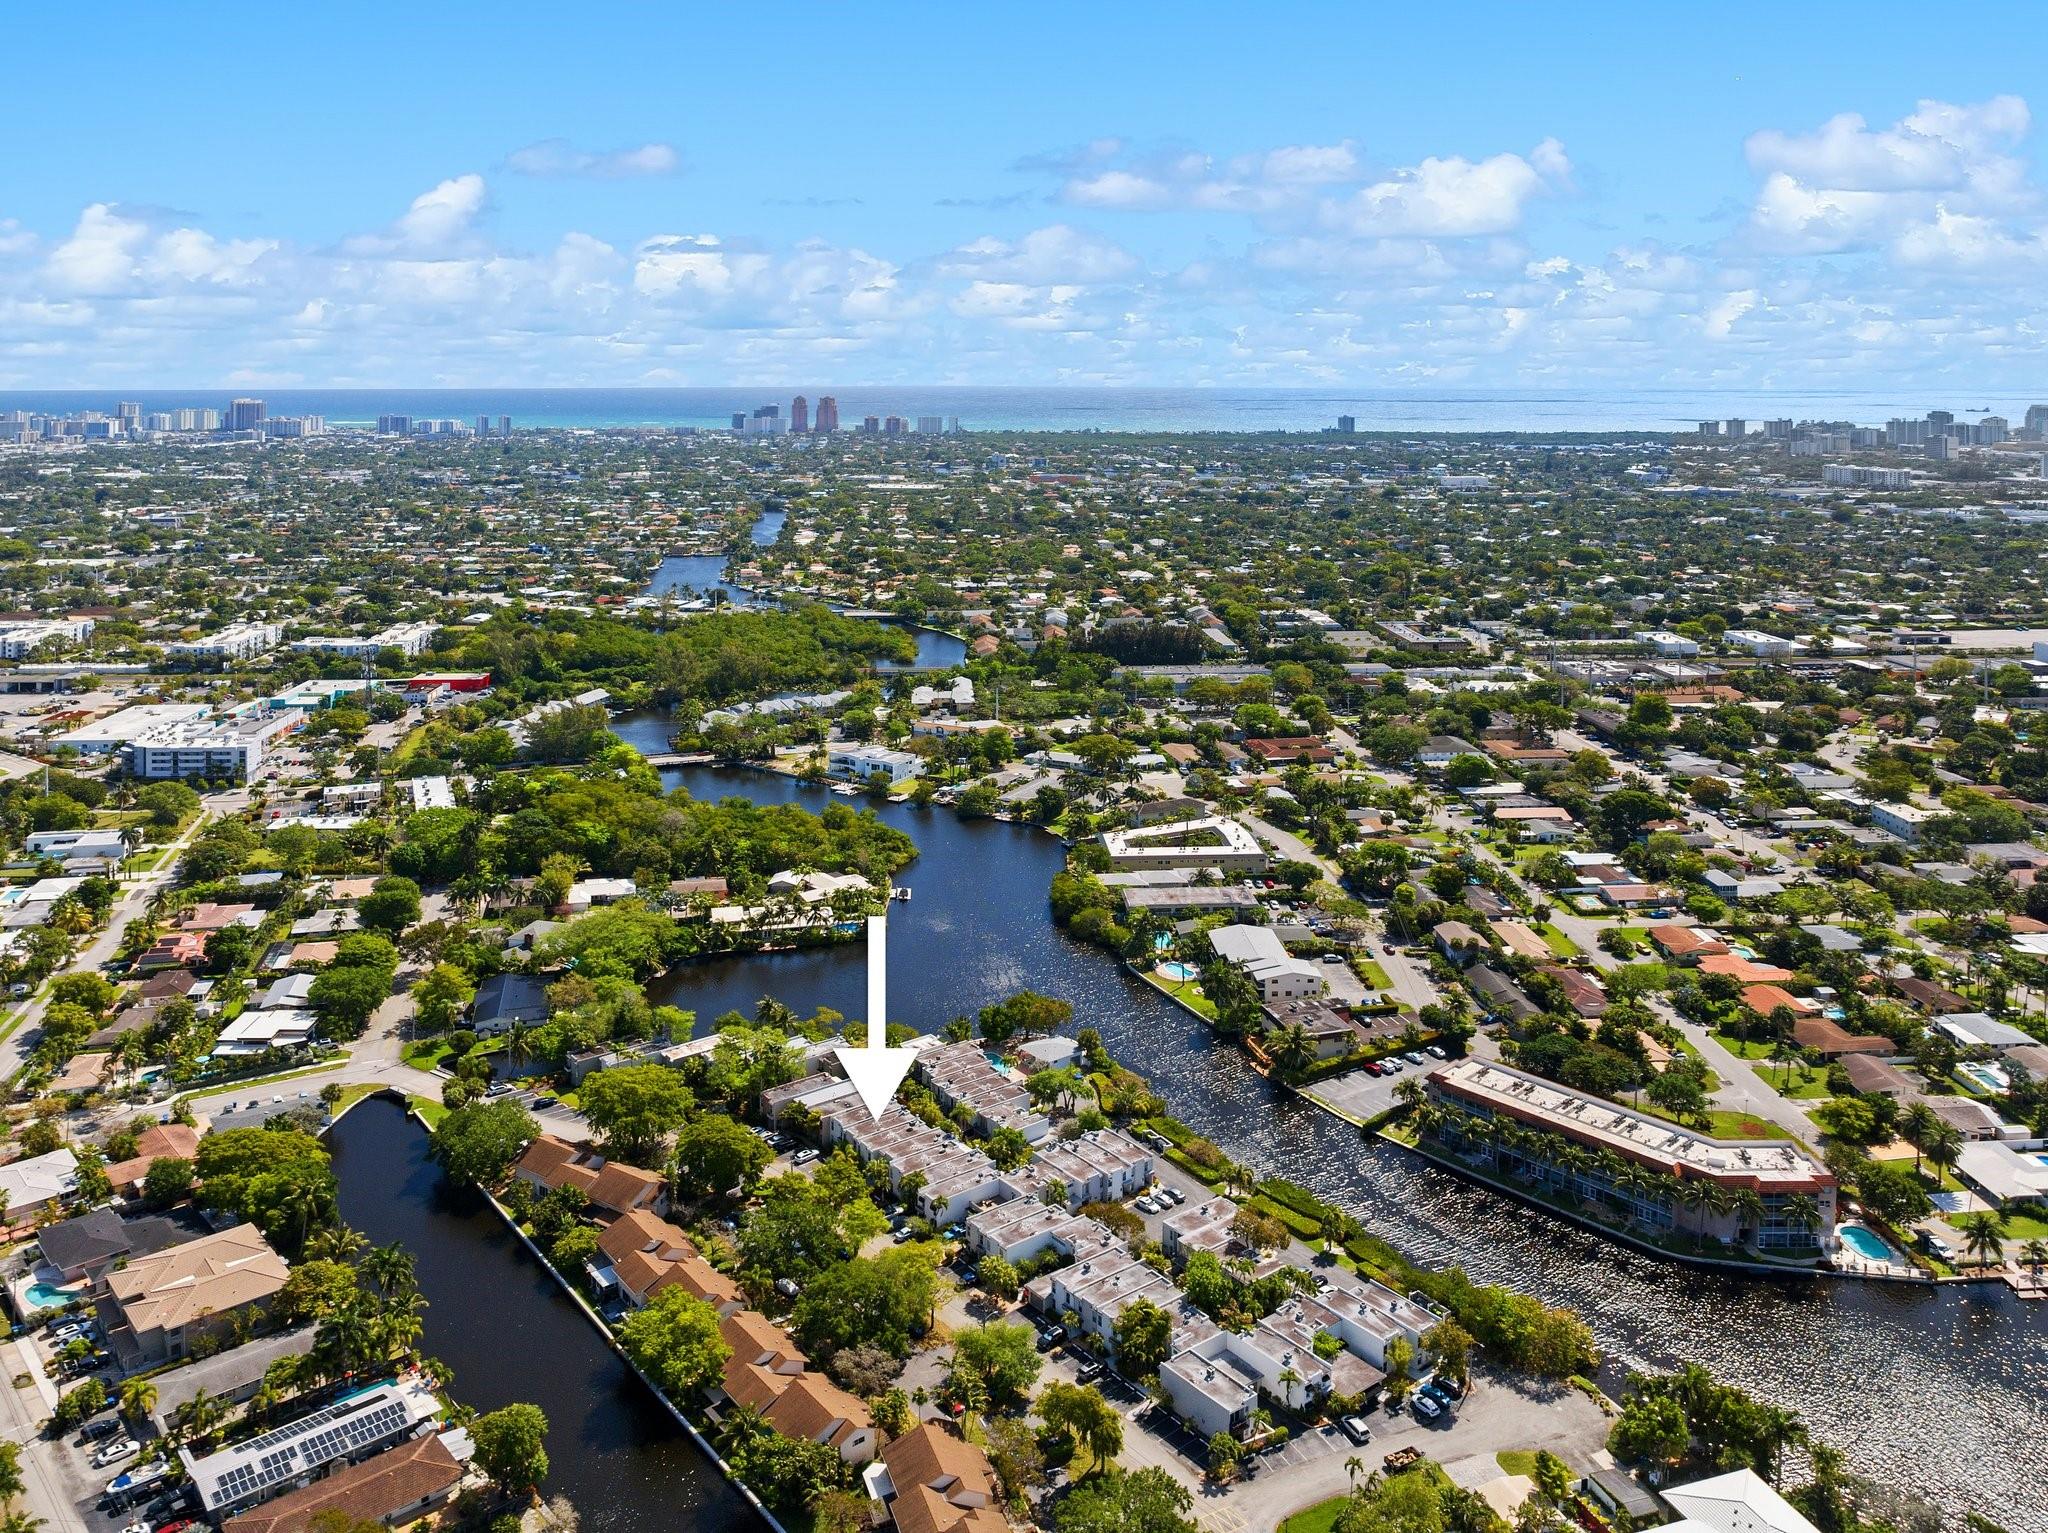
point(1940, 1390)
point(499, 1320)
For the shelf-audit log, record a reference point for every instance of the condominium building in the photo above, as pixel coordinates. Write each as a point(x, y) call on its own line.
point(206, 747)
point(238, 641)
point(20, 640)
point(1596, 1151)
point(1214, 842)
point(409, 639)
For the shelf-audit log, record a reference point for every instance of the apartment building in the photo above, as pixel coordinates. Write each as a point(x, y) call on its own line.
point(1797, 1194)
point(238, 641)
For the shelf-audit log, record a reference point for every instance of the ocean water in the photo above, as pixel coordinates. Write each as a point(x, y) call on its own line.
point(1066, 409)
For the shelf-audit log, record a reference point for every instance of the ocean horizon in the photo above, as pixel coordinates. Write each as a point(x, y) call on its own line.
point(1026, 409)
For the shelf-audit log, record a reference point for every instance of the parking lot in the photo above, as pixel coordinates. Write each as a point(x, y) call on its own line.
point(1362, 1095)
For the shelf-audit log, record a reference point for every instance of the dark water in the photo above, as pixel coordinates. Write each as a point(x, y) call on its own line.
point(936, 651)
point(1939, 1389)
point(510, 1335)
point(702, 574)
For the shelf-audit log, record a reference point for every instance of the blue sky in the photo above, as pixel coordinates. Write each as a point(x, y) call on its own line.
point(1188, 194)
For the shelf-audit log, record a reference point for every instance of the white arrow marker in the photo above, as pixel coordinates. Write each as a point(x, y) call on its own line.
point(877, 1070)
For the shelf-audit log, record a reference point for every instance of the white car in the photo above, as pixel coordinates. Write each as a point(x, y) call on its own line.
point(114, 1452)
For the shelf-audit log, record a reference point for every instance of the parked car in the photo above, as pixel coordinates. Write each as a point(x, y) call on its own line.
point(804, 1157)
point(1357, 1429)
point(1426, 1405)
point(1372, 1067)
point(114, 1452)
point(1436, 1051)
point(100, 1430)
point(1449, 1387)
point(1146, 1206)
point(1088, 1372)
point(1391, 1065)
point(786, 1287)
point(1173, 1194)
point(1414, 1057)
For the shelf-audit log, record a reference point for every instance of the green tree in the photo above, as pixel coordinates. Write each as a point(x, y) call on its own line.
point(716, 1155)
point(392, 905)
point(440, 995)
point(1081, 1412)
point(675, 1341)
point(1002, 1357)
point(1144, 1337)
point(636, 1108)
point(883, 1300)
point(511, 1447)
point(478, 1143)
point(1136, 1501)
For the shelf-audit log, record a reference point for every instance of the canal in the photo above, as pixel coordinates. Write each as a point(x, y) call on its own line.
point(1940, 1389)
point(498, 1319)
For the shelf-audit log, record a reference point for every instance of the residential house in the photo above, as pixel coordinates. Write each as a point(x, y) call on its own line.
point(641, 1254)
point(613, 1187)
point(932, 1482)
point(164, 1304)
point(398, 1486)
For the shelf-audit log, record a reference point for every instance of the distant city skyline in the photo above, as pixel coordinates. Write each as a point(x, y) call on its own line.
point(1494, 201)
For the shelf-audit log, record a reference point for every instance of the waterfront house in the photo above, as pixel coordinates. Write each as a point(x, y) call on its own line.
point(1214, 842)
point(613, 1187)
point(1738, 1502)
point(398, 1486)
point(504, 1000)
point(767, 1372)
point(353, 1429)
point(640, 1254)
point(1259, 952)
point(932, 1482)
point(163, 1305)
point(229, 1377)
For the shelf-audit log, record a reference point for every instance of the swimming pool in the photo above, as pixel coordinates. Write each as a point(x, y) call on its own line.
point(41, 1295)
point(1868, 1244)
point(1180, 973)
point(1984, 1077)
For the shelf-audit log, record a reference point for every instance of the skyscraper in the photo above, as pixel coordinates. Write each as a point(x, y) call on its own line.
point(483, 425)
point(739, 420)
point(800, 413)
point(828, 415)
point(245, 415)
point(504, 425)
point(871, 425)
point(1347, 424)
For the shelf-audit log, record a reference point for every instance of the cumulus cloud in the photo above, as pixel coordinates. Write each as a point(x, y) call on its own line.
point(557, 157)
point(1942, 178)
point(1452, 196)
point(1058, 252)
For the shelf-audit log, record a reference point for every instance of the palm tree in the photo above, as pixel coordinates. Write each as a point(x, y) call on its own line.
point(741, 1424)
point(336, 1244)
point(1983, 1237)
point(1917, 1124)
point(2035, 1254)
point(1354, 1466)
point(197, 1419)
point(1803, 1210)
point(1292, 1048)
point(1752, 1210)
point(518, 1042)
point(391, 1269)
point(138, 1398)
point(1943, 1146)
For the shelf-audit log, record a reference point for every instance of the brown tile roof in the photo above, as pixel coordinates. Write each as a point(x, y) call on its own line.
point(173, 1288)
point(1685, 941)
point(1831, 1039)
point(610, 1185)
point(812, 1406)
point(392, 1481)
point(943, 1485)
point(1745, 969)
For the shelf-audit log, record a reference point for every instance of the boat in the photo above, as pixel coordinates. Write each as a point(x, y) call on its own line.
point(899, 894)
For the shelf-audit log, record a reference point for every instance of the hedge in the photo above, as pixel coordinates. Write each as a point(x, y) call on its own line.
point(1294, 1196)
point(1201, 1173)
point(1306, 1228)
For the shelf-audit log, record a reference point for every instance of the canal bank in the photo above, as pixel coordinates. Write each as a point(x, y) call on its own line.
point(498, 1317)
point(1964, 1371)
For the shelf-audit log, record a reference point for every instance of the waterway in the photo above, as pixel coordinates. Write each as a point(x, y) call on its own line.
point(1939, 1389)
point(499, 1320)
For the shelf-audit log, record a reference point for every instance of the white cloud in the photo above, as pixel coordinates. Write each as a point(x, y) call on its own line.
point(1849, 187)
point(557, 157)
point(1119, 189)
point(1935, 148)
point(1453, 197)
point(101, 254)
point(443, 213)
point(1055, 253)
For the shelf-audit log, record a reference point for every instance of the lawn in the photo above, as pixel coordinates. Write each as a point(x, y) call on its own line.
point(1722, 1124)
point(1517, 1461)
point(1186, 991)
point(1370, 971)
point(1743, 1048)
point(1321, 1517)
point(1559, 943)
